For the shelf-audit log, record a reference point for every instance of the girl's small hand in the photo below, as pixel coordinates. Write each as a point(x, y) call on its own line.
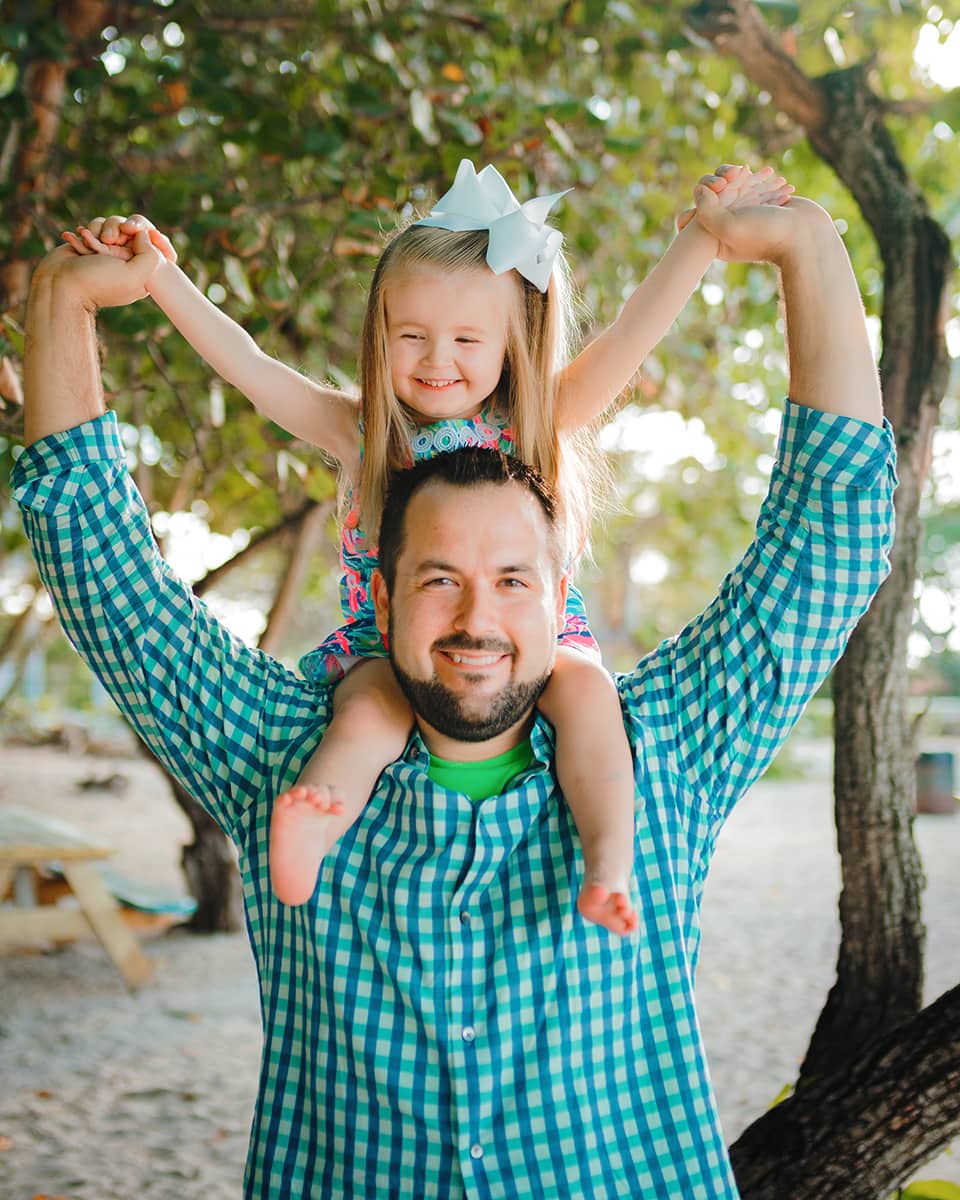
point(738, 188)
point(114, 235)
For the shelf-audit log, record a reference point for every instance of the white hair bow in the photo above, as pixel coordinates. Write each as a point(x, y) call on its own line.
point(519, 237)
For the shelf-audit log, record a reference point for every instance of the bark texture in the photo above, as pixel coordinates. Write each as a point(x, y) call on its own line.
point(30, 143)
point(856, 1134)
point(880, 961)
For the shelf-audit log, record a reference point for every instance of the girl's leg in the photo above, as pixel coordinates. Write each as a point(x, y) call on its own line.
point(370, 726)
point(595, 771)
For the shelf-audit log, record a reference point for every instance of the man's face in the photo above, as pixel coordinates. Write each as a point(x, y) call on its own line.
point(474, 612)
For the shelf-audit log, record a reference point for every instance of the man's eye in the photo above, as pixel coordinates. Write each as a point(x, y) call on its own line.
point(513, 582)
point(438, 581)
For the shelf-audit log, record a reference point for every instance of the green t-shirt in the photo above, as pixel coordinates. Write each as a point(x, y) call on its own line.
point(488, 777)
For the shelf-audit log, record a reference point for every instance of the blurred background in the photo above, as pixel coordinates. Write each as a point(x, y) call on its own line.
point(276, 149)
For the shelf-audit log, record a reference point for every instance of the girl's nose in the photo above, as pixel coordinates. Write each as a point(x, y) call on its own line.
point(436, 351)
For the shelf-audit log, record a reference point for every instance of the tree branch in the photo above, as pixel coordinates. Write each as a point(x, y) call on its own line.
point(735, 27)
point(266, 536)
point(860, 1132)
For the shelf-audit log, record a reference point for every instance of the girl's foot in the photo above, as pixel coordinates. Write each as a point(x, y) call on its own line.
point(304, 826)
point(612, 910)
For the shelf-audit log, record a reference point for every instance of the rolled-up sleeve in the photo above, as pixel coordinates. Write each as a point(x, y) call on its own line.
point(226, 720)
point(721, 697)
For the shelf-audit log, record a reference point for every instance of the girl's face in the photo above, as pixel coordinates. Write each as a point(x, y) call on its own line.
point(447, 334)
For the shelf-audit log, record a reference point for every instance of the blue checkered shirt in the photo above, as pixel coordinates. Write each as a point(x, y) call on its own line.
point(438, 1020)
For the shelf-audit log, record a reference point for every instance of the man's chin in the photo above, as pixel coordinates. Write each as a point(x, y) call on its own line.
point(470, 718)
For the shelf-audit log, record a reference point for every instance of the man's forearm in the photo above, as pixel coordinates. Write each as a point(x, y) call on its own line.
point(831, 361)
point(61, 378)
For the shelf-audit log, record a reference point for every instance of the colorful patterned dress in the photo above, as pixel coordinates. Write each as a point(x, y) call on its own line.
point(359, 637)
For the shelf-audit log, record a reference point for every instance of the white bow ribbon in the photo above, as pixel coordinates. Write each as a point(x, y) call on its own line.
point(519, 237)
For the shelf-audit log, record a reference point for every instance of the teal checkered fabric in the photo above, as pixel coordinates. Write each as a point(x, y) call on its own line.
point(438, 1020)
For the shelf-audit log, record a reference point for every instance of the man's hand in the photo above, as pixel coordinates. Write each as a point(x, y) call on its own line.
point(101, 279)
point(760, 222)
point(738, 188)
point(115, 235)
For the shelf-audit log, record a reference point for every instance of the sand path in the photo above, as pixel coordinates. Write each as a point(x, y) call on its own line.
point(108, 1096)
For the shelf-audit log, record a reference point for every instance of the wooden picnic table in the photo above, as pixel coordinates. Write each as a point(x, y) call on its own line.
point(30, 842)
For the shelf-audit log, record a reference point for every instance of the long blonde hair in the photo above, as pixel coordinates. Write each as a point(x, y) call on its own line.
point(540, 334)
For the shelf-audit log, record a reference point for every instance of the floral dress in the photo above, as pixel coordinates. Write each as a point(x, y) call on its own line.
point(359, 637)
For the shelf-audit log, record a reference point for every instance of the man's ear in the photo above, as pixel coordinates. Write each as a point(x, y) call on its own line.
point(562, 588)
point(381, 600)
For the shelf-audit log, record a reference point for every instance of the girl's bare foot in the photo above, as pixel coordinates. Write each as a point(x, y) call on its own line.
point(305, 824)
point(611, 909)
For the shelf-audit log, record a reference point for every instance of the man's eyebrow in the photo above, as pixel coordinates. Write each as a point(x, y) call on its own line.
point(435, 564)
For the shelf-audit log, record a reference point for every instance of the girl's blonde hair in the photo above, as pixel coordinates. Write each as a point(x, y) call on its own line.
point(540, 333)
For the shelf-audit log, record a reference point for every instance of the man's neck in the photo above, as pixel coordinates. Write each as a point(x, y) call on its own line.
point(441, 745)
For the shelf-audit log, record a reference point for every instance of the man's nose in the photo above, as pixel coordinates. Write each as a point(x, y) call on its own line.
point(475, 613)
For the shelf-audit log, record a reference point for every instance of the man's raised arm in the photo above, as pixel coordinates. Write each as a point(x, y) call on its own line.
point(721, 697)
point(231, 724)
point(61, 377)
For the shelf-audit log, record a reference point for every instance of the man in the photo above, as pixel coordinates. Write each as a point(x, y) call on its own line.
point(438, 1022)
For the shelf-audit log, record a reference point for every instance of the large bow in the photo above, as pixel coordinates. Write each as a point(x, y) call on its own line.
point(519, 237)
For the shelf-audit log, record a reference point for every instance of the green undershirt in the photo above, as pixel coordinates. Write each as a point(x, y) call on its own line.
point(488, 777)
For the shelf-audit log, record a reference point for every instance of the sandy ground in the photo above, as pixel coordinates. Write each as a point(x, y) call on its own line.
point(109, 1096)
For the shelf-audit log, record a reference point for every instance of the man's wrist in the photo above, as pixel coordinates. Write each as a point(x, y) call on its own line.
point(53, 282)
point(813, 234)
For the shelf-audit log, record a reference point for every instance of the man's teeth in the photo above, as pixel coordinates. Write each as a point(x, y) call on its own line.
point(476, 661)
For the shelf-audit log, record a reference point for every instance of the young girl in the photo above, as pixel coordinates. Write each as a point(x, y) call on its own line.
point(464, 342)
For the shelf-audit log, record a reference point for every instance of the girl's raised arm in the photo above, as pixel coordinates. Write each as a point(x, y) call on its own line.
point(320, 415)
point(604, 368)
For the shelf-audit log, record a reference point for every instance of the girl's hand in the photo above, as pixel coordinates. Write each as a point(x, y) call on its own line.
point(737, 188)
point(773, 231)
point(114, 235)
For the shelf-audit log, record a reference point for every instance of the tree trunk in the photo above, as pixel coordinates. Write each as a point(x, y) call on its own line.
point(859, 1132)
point(309, 538)
point(44, 85)
point(210, 865)
point(880, 962)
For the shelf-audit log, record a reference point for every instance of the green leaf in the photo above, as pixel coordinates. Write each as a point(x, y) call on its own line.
point(8, 77)
point(237, 278)
point(929, 1189)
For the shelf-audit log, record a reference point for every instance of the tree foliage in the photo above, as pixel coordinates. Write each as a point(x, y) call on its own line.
point(276, 148)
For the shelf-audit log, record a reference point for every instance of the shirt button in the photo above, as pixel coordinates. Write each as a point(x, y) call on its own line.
point(464, 918)
point(469, 1033)
point(476, 1151)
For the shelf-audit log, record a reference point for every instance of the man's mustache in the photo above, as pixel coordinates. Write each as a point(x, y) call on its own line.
point(463, 641)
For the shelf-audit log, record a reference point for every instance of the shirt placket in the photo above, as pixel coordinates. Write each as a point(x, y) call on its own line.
point(471, 922)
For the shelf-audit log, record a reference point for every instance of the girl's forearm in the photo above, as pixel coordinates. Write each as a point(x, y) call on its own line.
point(217, 338)
point(601, 372)
point(660, 298)
point(316, 414)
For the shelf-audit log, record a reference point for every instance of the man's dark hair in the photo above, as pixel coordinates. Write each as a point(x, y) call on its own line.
point(469, 467)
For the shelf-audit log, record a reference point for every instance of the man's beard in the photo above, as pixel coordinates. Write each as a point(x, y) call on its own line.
point(441, 708)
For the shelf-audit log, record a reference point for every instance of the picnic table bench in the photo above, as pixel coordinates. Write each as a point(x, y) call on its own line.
point(31, 842)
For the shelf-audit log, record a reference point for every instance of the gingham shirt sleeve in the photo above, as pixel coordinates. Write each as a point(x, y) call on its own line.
point(220, 716)
point(721, 697)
